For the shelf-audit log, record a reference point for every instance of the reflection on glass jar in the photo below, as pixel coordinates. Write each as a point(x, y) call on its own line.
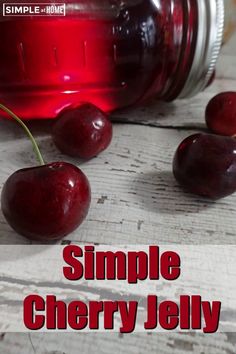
point(111, 53)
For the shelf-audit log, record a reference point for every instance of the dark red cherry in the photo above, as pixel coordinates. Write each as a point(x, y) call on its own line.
point(221, 114)
point(82, 132)
point(46, 202)
point(205, 165)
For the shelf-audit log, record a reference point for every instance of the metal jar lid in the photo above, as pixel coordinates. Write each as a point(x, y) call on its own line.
point(211, 15)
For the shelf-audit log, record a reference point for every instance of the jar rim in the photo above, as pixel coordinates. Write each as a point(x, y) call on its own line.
point(211, 18)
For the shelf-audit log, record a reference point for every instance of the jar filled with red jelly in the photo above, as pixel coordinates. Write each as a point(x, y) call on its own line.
point(111, 53)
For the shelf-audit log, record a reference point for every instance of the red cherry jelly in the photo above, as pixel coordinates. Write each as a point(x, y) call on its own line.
point(110, 53)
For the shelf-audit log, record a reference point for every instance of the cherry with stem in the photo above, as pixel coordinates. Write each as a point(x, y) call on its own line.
point(46, 202)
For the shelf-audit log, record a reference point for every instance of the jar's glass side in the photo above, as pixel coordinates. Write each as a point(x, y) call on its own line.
point(112, 53)
point(108, 60)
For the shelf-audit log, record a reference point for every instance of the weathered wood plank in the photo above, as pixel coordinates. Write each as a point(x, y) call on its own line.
point(107, 343)
point(135, 198)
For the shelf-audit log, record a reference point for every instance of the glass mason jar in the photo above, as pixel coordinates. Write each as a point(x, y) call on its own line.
point(112, 53)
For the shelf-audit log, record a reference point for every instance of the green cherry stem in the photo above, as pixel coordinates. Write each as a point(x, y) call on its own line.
point(35, 145)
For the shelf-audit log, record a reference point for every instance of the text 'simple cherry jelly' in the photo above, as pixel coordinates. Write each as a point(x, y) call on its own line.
point(112, 53)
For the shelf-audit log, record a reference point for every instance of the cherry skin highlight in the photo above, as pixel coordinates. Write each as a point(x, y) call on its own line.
point(205, 165)
point(83, 132)
point(221, 114)
point(46, 202)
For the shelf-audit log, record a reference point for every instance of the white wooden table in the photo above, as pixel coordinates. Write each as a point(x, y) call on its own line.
point(135, 199)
